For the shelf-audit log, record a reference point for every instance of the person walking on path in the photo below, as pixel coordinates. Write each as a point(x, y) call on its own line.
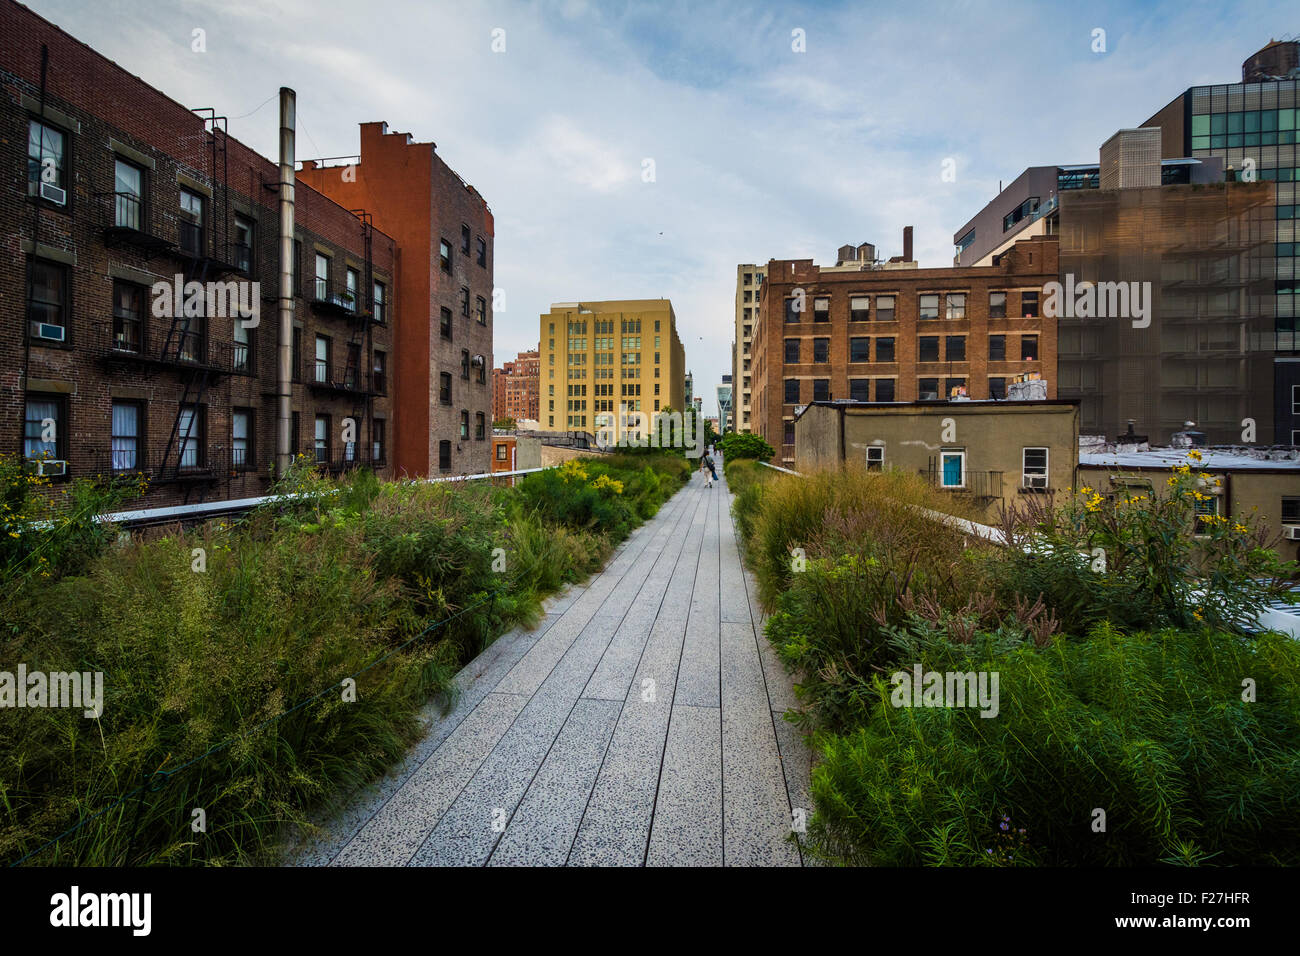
point(707, 462)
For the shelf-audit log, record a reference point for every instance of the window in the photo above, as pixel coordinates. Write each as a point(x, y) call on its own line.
point(480, 309)
point(128, 317)
point(821, 390)
point(955, 305)
point(480, 367)
point(322, 359)
point(322, 276)
point(295, 349)
point(47, 152)
point(295, 433)
point(821, 310)
point(821, 350)
point(787, 437)
point(927, 389)
point(444, 388)
point(464, 363)
point(352, 367)
point(997, 348)
point(1207, 509)
point(241, 439)
point(1029, 305)
point(464, 302)
point(860, 389)
point(859, 308)
point(351, 283)
point(927, 348)
point(793, 306)
point(243, 353)
point(884, 389)
point(126, 436)
point(1026, 208)
point(293, 266)
point(128, 195)
point(928, 306)
point(997, 388)
point(1029, 348)
point(44, 418)
point(792, 391)
point(190, 428)
point(444, 326)
point(792, 351)
point(322, 439)
point(875, 457)
point(464, 424)
point(191, 224)
point(47, 300)
point(955, 348)
point(1035, 467)
point(380, 297)
point(860, 349)
point(884, 308)
point(444, 455)
point(997, 305)
point(242, 250)
point(480, 426)
point(377, 441)
point(1291, 510)
point(953, 386)
point(444, 255)
point(952, 469)
point(964, 243)
point(464, 239)
point(481, 252)
point(885, 349)
point(502, 449)
point(379, 375)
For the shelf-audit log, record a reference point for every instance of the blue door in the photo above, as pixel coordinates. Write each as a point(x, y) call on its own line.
point(952, 471)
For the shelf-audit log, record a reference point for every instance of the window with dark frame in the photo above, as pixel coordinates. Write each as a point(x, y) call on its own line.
point(787, 437)
point(481, 252)
point(464, 364)
point(128, 316)
point(480, 309)
point(47, 148)
point(379, 375)
point(1029, 305)
point(190, 224)
point(884, 308)
point(1029, 348)
point(821, 390)
point(998, 387)
point(927, 348)
point(860, 349)
point(821, 350)
point(792, 309)
point(997, 305)
point(792, 351)
point(444, 255)
point(955, 348)
point(480, 426)
point(444, 455)
point(884, 389)
point(792, 391)
point(244, 244)
point(927, 389)
point(997, 348)
point(464, 302)
point(464, 424)
point(444, 326)
point(464, 239)
point(860, 308)
point(191, 434)
point(125, 434)
point(821, 309)
point(885, 348)
point(47, 297)
point(444, 388)
point(128, 195)
point(860, 389)
point(377, 428)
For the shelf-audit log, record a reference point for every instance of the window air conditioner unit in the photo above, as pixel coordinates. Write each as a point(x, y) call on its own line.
point(50, 467)
point(43, 330)
point(1291, 532)
point(1035, 481)
point(52, 193)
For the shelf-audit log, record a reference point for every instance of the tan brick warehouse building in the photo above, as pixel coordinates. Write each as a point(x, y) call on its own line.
point(144, 189)
point(896, 334)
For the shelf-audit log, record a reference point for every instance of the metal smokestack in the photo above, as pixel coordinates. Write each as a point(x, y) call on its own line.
point(907, 243)
point(284, 373)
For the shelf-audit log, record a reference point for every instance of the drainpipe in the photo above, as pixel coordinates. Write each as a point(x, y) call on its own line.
point(284, 374)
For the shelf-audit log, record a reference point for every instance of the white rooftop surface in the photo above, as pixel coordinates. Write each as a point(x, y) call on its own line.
point(1211, 460)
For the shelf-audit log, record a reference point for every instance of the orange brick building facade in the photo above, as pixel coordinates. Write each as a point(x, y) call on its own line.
point(898, 334)
point(515, 388)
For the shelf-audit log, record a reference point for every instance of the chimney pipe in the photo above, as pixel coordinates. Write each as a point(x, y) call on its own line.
point(907, 243)
point(284, 373)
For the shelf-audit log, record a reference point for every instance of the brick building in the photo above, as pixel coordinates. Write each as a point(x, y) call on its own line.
point(515, 388)
point(892, 332)
point(126, 189)
point(443, 351)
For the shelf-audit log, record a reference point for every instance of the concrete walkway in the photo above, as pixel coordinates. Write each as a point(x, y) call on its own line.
point(639, 724)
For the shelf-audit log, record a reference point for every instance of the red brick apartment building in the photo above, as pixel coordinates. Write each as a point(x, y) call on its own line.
point(515, 388)
point(891, 332)
point(443, 348)
point(125, 188)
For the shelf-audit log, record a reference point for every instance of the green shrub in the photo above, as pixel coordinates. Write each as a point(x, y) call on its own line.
point(737, 445)
point(1150, 728)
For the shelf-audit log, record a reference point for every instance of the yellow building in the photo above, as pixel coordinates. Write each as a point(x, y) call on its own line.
point(599, 356)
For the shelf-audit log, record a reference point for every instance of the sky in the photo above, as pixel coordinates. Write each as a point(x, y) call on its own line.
point(643, 149)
